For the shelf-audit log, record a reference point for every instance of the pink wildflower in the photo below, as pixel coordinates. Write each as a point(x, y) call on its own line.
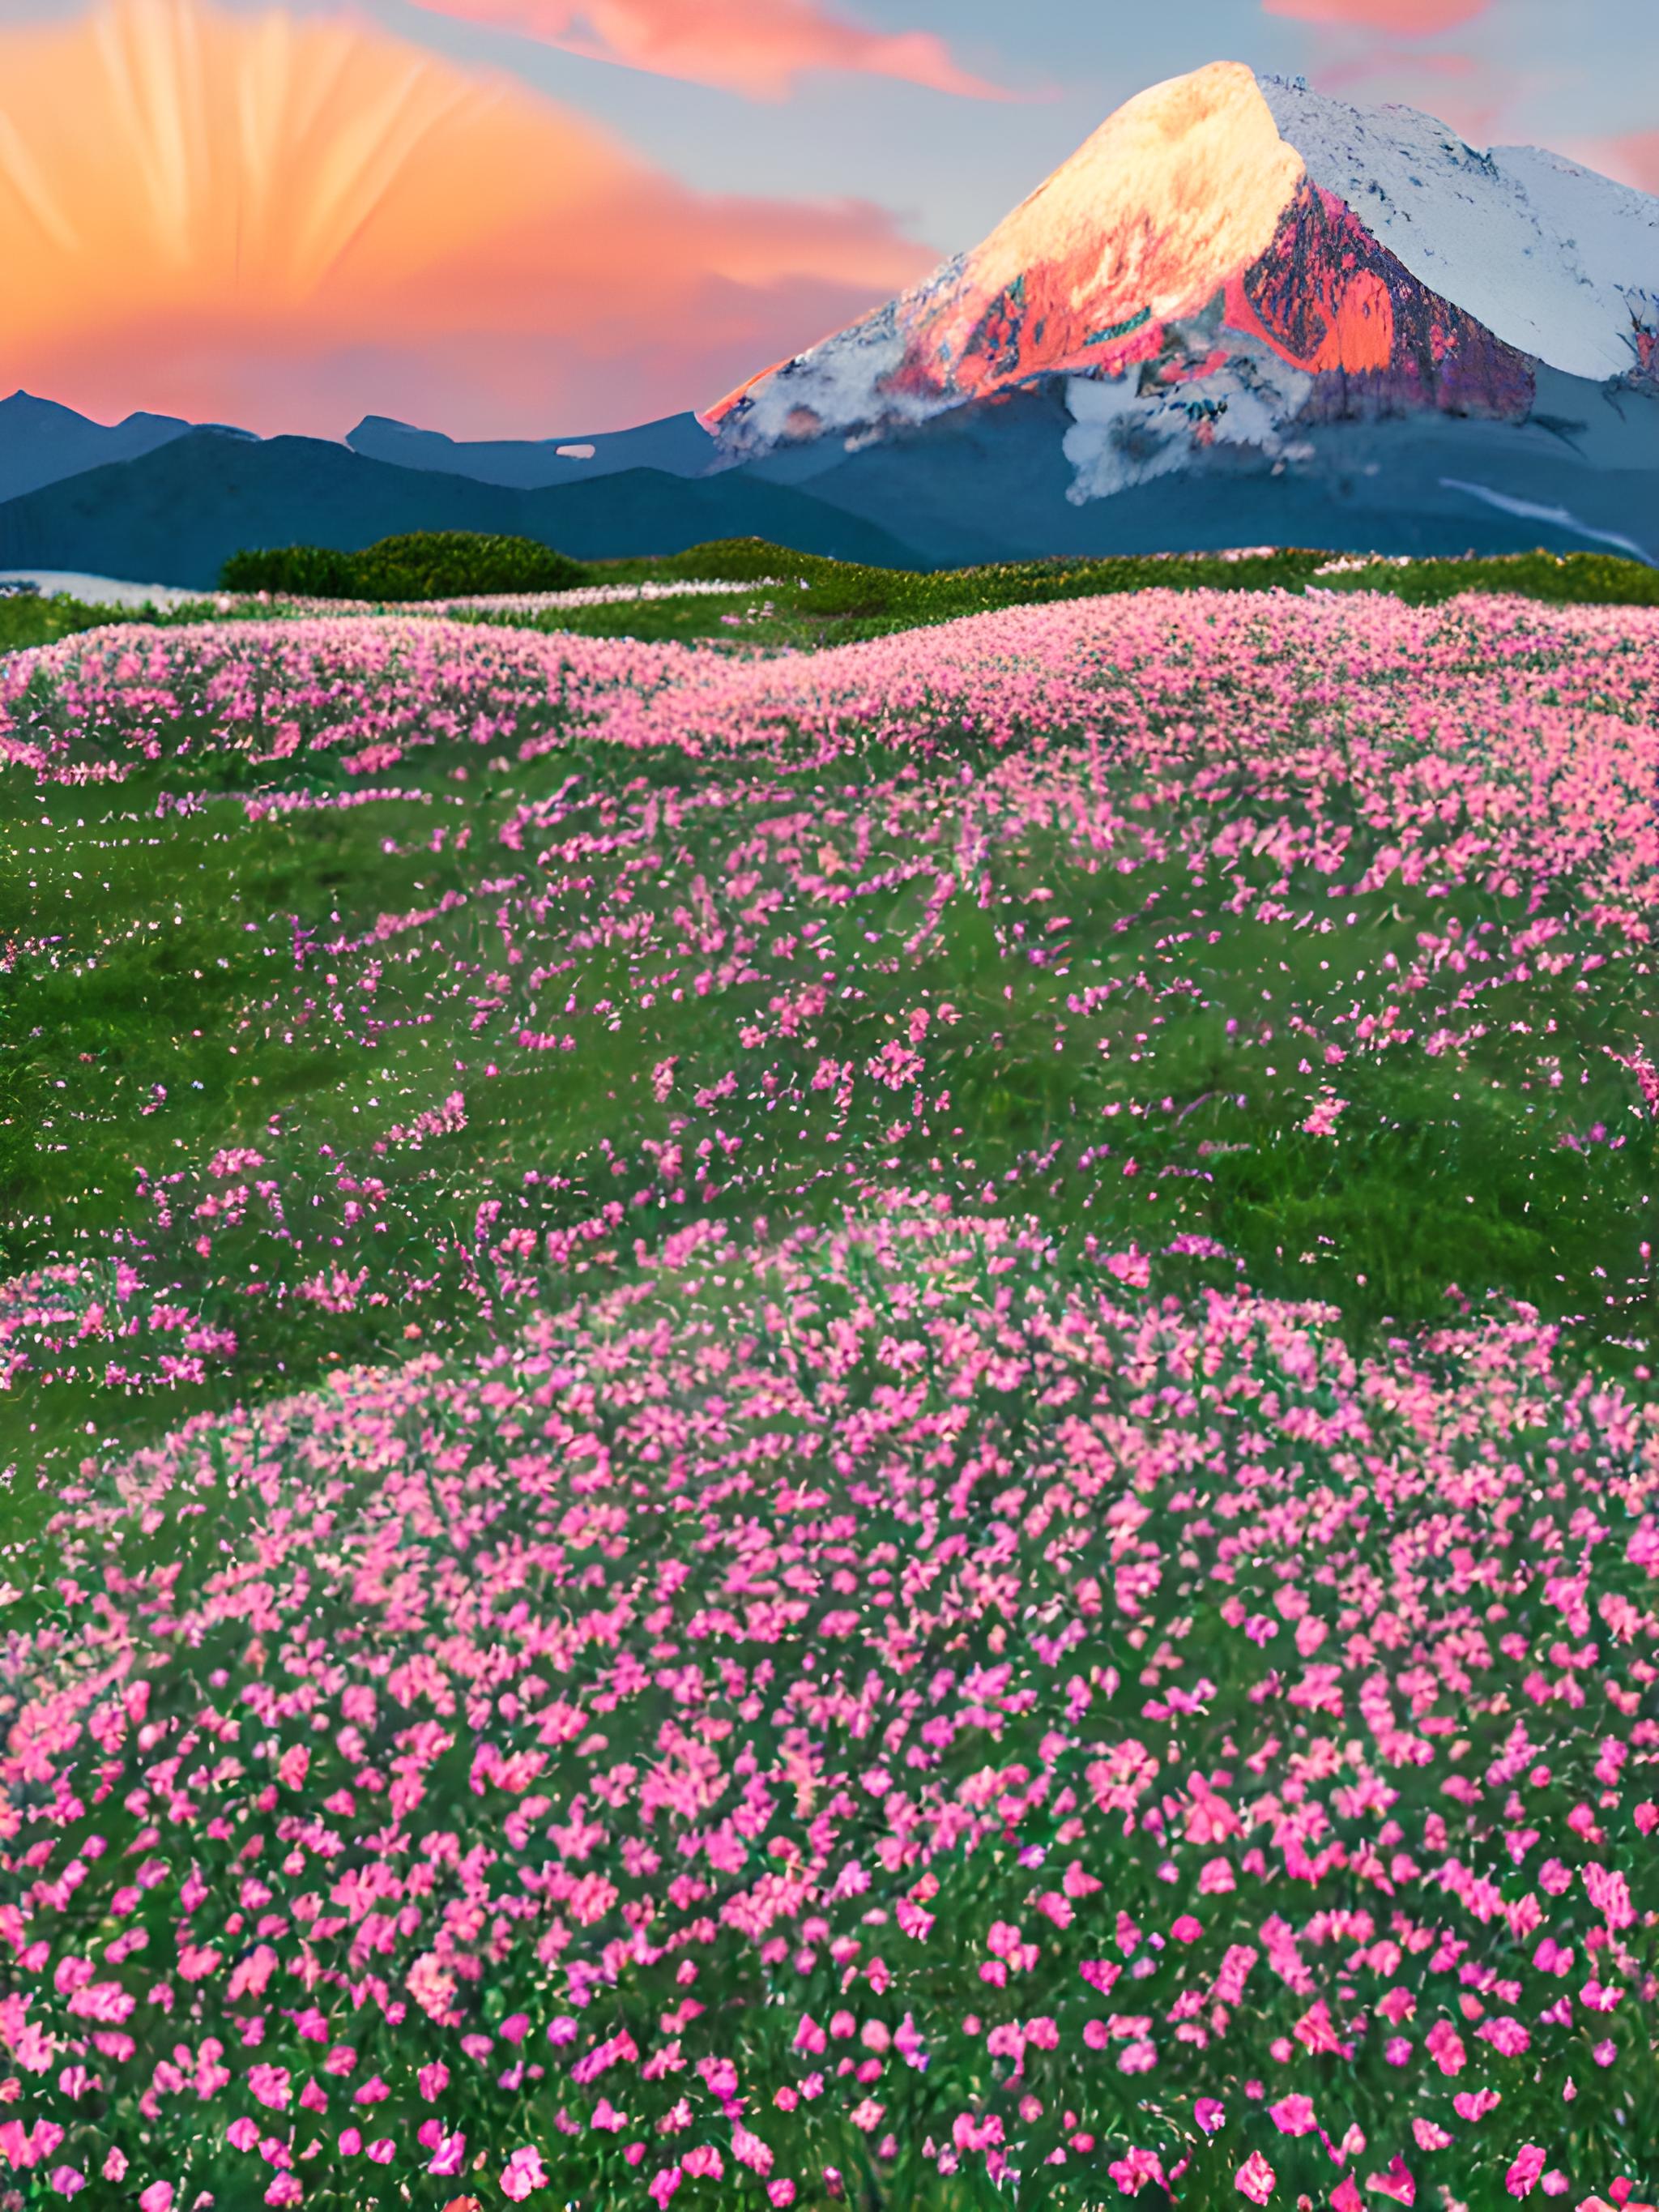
point(1523, 2174)
point(1293, 2116)
point(523, 2172)
point(1255, 2179)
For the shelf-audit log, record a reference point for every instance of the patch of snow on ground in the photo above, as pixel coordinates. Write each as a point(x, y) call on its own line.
point(99, 591)
point(113, 591)
point(1531, 511)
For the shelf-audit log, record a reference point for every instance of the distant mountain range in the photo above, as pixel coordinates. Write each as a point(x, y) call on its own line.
point(679, 446)
point(175, 514)
point(1241, 313)
point(41, 443)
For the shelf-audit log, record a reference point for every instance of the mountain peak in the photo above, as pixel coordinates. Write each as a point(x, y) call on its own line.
point(42, 441)
point(1224, 246)
point(389, 424)
point(1182, 185)
point(29, 403)
point(1160, 161)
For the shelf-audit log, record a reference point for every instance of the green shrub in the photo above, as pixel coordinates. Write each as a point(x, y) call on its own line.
point(304, 572)
point(422, 564)
point(751, 561)
point(1578, 578)
point(433, 564)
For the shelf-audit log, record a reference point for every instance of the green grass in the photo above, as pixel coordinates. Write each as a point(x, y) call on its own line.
point(29, 620)
point(162, 1016)
point(155, 1012)
point(844, 601)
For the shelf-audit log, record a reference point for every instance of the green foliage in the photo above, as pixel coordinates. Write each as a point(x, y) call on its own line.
point(1003, 583)
point(155, 1030)
point(802, 600)
point(1564, 579)
point(309, 572)
point(30, 621)
point(899, 597)
point(422, 564)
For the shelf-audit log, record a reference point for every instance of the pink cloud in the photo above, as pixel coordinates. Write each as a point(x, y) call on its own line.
point(755, 46)
point(1633, 159)
point(352, 225)
point(1473, 96)
point(1406, 19)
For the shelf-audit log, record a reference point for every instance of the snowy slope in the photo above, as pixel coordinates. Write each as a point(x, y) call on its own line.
point(1231, 259)
point(1178, 190)
point(1552, 258)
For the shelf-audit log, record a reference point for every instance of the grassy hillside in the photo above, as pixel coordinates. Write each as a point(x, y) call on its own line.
point(805, 601)
point(861, 1430)
point(843, 602)
point(175, 991)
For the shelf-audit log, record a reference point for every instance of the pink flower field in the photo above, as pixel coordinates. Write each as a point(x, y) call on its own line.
point(872, 1429)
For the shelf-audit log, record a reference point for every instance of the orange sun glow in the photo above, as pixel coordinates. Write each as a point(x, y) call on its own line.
point(278, 219)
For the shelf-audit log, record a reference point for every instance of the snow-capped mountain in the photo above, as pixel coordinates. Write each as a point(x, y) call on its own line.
point(1242, 314)
point(1232, 266)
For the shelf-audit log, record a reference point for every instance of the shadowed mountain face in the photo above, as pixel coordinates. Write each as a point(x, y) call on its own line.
point(992, 481)
point(1333, 302)
point(176, 513)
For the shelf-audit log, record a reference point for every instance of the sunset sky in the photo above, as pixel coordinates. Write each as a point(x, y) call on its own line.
point(535, 217)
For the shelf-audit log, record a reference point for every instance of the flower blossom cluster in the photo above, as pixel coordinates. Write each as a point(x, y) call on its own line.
point(853, 897)
point(860, 1657)
point(870, 1704)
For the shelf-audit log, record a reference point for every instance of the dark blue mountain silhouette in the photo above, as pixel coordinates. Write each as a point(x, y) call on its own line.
point(677, 445)
point(41, 442)
point(175, 514)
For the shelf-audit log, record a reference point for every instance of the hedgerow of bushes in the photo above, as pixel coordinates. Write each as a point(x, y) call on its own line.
point(459, 564)
point(1598, 579)
point(842, 601)
point(422, 564)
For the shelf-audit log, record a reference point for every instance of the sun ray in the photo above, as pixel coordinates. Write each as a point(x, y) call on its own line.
point(153, 69)
point(253, 152)
point(21, 170)
point(274, 217)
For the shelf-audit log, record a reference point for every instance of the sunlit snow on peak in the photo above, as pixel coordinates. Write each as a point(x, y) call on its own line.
point(1184, 184)
point(1225, 248)
point(1178, 190)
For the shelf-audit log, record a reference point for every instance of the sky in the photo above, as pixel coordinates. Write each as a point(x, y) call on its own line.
point(535, 218)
